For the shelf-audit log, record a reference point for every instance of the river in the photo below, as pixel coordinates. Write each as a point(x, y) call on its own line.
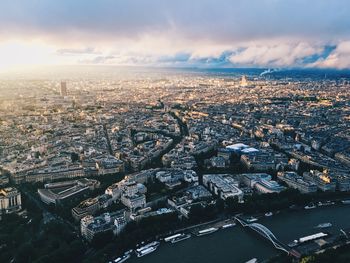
point(237, 244)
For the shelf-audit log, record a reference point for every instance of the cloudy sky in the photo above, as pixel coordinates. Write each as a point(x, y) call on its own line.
point(201, 33)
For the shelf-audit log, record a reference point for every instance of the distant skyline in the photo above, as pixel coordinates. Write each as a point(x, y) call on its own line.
point(196, 33)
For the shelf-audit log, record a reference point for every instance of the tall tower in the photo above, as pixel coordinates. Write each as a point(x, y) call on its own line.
point(244, 82)
point(63, 90)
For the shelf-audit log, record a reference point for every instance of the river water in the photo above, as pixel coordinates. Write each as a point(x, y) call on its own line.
point(237, 244)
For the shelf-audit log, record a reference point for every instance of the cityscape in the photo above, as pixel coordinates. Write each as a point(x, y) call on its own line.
point(202, 152)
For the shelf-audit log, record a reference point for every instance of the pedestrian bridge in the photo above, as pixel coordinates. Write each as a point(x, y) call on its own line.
point(266, 233)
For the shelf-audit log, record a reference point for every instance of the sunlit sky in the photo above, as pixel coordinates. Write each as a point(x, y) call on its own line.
point(194, 33)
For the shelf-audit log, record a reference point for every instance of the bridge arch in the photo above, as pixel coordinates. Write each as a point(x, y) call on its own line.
point(266, 233)
point(262, 228)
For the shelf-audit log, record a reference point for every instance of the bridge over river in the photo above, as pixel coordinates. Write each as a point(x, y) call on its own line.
point(267, 234)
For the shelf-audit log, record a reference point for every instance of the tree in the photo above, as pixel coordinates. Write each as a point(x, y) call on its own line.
point(102, 239)
point(25, 253)
point(232, 204)
point(74, 157)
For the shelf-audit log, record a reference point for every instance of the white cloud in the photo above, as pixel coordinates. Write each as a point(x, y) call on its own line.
point(281, 54)
point(339, 57)
point(279, 33)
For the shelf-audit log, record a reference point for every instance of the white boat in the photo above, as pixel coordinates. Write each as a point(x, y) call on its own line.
point(207, 231)
point(228, 225)
point(268, 214)
point(146, 251)
point(253, 260)
point(326, 203)
point(345, 202)
point(312, 237)
point(152, 244)
point(180, 238)
point(122, 259)
point(310, 206)
point(170, 238)
point(323, 225)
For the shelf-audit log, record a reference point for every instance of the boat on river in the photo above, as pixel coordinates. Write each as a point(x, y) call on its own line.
point(122, 259)
point(181, 238)
point(323, 225)
point(170, 238)
point(310, 206)
point(147, 249)
point(228, 225)
point(253, 260)
point(207, 231)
